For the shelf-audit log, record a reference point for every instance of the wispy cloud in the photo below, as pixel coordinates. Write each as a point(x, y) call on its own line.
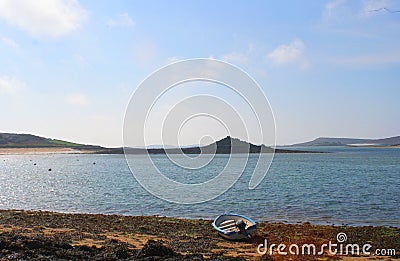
point(241, 58)
point(121, 20)
point(332, 5)
point(367, 60)
point(52, 18)
point(11, 85)
point(369, 7)
point(81, 61)
point(78, 99)
point(173, 59)
point(235, 58)
point(9, 42)
point(292, 53)
point(145, 52)
point(337, 9)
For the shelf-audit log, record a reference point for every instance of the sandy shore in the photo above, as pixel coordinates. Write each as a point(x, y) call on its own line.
point(13, 151)
point(50, 236)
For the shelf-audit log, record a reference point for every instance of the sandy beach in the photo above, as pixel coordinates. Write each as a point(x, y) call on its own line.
point(18, 151)
point(54, 236)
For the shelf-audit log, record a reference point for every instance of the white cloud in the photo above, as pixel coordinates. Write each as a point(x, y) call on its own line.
point(78, 99)
point(43, 17)
point(11, 85)
point(9, 42)
point(292, 53)
point(121, 20)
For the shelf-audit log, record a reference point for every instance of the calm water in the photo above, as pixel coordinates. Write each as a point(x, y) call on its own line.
point(355, 186)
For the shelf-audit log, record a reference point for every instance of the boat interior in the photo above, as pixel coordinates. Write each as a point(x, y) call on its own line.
point(230, 225)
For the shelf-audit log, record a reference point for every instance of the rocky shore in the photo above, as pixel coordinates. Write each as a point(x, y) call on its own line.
point(39, 235)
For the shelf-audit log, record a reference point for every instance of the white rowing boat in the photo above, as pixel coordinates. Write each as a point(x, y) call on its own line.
point(234, 226)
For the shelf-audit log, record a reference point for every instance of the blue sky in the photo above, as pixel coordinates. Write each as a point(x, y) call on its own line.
point(328, 68)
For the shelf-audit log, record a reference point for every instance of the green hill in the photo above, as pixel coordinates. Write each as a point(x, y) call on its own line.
point(12, 140)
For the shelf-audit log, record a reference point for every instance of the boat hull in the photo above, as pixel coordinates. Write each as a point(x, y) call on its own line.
point(225, 225)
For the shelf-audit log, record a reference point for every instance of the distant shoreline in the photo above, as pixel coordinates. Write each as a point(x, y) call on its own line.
point(30, 144)
point(21, 151)
point(374, 146)
point(120, 151)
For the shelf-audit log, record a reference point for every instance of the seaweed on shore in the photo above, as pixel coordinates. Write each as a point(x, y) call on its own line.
point(41, 235)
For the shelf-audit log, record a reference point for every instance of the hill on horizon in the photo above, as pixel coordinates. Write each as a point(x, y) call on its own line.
point(14, 140)
point(226, 145)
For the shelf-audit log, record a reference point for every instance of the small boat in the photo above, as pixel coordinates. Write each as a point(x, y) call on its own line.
point(234, 226)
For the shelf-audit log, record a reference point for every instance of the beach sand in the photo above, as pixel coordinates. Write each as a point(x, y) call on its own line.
point(17, 151)
point(49, 235)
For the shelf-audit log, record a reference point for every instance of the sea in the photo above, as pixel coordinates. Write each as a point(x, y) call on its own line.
point(343, 186)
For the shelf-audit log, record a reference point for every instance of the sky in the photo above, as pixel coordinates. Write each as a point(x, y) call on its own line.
point(328, 68)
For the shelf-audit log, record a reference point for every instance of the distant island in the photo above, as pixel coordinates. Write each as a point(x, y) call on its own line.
point(324, 141)
point(227, 145)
